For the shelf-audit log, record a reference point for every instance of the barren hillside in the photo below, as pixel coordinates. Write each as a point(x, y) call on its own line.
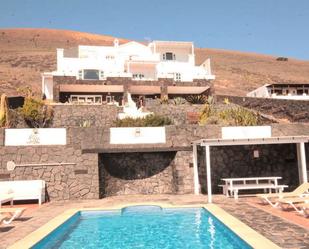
point(25, 53)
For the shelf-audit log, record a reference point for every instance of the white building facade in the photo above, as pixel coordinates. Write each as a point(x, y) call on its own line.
point(282, 91)
point(132, 60)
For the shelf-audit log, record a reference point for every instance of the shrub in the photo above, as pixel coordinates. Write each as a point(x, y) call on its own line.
point(206, 113)
point(35, 113)
point(240, 116)
point(164, 100)
point(237, 116)
point(196, 99)
point(179, 101)
point(3, 111)
point(148, 121)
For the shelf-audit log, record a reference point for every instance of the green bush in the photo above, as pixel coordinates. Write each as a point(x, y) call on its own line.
point(148, 121)
point(196, 99)
point(240, 116)
point(237, 116)
point(179, 101)
point(35, 113)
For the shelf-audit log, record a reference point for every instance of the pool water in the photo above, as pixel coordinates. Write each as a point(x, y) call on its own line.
point(143, 227)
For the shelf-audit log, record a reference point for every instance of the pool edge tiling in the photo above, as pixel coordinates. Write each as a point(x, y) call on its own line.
point(250, 236)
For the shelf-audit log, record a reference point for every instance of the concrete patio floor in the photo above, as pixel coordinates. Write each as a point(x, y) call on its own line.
point(286, 229)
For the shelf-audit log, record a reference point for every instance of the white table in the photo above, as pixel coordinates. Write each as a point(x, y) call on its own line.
point(233, 185)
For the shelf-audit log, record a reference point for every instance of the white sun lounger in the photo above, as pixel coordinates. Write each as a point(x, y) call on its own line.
point(305, 209)
point(293, 202)
point(272, 198)
point(11, 214)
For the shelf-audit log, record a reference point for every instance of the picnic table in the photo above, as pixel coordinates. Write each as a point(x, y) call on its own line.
point(233, 185)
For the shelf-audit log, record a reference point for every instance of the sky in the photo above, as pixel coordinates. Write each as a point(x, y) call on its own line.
point(275, 27)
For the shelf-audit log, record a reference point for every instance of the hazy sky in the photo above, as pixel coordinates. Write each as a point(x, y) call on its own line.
point(276, 27)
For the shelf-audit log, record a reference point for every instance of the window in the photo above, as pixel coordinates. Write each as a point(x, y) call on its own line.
point(110, 99)
point(138, 76)
point(80, 74)
point(169, 56)
point(101, 75)
point(177, 76)
point(91, 74)
point(88, 99)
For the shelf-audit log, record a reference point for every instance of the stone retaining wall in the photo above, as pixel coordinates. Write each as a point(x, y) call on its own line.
point(180, 114)
point(293, 110)
point(101, 169)
point(77, 181)
point(238, 161)
point(146, 173)
point(137, 173)
point(85, 115)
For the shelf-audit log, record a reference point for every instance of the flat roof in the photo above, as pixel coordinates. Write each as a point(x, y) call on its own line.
point(249, 141)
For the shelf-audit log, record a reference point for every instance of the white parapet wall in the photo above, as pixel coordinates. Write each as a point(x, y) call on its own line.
point(31, 137)
point(137, 135)
point(238, 132)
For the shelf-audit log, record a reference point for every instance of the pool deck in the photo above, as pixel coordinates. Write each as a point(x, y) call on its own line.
point(285, 229)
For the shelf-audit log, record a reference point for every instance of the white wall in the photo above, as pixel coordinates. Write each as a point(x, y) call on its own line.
point(246, 132)
point(96, 57)
point(137, 135)
point(260, 92)
point(41, 136)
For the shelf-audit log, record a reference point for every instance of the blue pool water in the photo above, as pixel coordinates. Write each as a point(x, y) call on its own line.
point(143, 227)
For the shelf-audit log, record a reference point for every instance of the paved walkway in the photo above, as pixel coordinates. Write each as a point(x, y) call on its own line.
point(278, 230)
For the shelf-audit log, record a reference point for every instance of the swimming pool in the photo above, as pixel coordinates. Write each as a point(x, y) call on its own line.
point(143, 227)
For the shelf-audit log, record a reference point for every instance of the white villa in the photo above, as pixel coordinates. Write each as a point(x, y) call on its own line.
point(113, 69)
point(282, 91)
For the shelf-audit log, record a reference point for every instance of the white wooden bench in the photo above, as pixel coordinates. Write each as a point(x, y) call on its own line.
point(25, 190)
point(233, 185)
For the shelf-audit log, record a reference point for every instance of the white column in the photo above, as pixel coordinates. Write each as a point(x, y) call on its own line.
point(300, 175)
point(302, 167)
point(195, 171)
point(208, 172)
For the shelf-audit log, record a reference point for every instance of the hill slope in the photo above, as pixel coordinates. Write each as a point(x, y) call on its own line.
point(26, 53)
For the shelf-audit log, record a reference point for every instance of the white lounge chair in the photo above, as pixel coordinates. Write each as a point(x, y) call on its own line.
point(294, 203)
point(305, 209)
point(4, 218)
point(272, 198)
point(11, 214)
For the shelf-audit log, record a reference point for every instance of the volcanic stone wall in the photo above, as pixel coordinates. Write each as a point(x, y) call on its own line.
point(77, 181)
point(293, 110)
point(137, 173)
point(101, 169)
point(238, 161)
point(180, 114)
point(85, 115)
point(146, 173)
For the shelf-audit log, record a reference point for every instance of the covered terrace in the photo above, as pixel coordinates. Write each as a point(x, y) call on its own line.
point(299, 141)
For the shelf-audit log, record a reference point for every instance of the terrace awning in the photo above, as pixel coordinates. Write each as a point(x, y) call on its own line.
point(145, 90)
point(91, 88)
point(298, 140)
point(186, 89)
